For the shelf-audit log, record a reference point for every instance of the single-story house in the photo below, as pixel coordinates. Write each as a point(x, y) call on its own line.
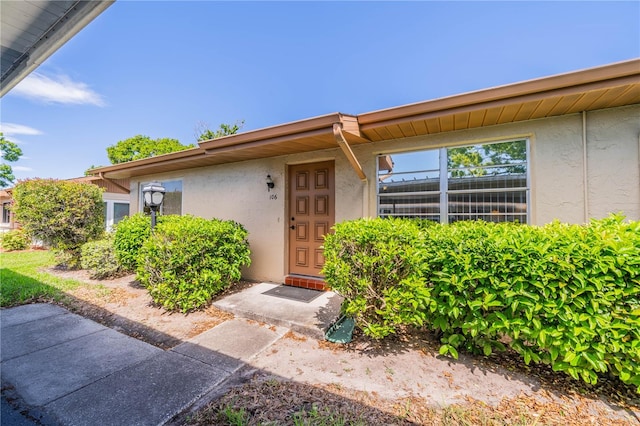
point(564, 147)
point(115, 198)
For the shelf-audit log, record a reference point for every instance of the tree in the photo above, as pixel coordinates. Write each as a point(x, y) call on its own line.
point(63, 214)
point(141, 146)
point(203, 133)
point(88, 172)
point(10, 153)
point(494, 159)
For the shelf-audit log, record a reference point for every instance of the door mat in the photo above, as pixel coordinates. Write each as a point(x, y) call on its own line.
point(298, 294)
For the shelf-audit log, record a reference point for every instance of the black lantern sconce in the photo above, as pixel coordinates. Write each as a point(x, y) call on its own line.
point(270, 184)
point(153, 194)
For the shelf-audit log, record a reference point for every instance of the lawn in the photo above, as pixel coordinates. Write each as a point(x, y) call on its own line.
point(23, 279)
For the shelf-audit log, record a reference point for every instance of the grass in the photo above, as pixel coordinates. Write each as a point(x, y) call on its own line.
point(22, 279)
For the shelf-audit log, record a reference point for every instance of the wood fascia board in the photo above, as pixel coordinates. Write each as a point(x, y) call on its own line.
point(141, 169)
point(292, 130)
point(449, 109)
point(187, 154)
point(271, 141)
point(603, 75)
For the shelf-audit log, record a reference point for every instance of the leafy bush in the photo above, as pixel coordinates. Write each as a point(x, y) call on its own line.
point(188, 260)
point(16, 239)
point(99, 258)
point(63, 214)
point(375, 264)
point(130, 233)
point(565, 295)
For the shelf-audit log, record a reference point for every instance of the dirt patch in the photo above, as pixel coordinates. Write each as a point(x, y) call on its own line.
point(124, 305)
point(400, 380)
point(266, 400)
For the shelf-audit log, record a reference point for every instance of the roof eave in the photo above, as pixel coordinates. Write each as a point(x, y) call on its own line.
point(611, 72)
point(278, 132)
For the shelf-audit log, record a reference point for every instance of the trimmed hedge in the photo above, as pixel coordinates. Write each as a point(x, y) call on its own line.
point(565, 295)
point(188, 260)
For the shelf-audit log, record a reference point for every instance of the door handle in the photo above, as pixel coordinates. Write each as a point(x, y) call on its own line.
point(292, 227)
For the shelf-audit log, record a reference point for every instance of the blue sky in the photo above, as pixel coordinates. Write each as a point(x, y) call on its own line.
point(161, 68)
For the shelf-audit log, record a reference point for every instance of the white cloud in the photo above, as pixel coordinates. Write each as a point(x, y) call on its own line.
point(10, 129)
point(58, 89)
point(21, 169)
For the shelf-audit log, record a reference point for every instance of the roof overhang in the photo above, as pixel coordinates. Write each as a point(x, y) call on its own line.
point(314, 134)
point(596, 88)
point(603, 87)
point(33, 30)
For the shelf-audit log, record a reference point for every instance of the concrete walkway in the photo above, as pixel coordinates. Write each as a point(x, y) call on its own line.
point(64, 369)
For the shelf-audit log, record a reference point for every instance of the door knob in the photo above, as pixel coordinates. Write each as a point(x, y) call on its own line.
point(292, 227)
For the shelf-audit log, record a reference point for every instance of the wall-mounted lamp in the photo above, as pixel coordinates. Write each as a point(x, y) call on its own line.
point(270, 184)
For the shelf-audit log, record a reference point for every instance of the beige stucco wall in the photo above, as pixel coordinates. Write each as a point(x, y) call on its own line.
point(556, 162)
point(238, 191)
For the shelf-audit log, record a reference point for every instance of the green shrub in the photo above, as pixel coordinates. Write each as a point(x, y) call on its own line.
point(566, 295)
point(16, 239)
point(130, 233)
point(375, 264)
point(99, 258)
point(188, 260)
point(63, 214)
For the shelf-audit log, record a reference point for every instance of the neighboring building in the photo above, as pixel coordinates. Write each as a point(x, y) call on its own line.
point(563, 147)
point(7, 223)
point(115, 197)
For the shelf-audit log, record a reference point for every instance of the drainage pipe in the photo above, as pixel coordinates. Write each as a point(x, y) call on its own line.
point(585, 176)
point(346, 149)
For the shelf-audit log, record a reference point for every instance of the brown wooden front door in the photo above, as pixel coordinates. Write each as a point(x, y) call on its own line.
point(311, 215)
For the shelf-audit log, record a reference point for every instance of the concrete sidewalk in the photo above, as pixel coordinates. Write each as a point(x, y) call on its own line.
point(64, 369)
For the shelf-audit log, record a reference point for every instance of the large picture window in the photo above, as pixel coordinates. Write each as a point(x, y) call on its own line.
point(172, 203)
point(484, 181)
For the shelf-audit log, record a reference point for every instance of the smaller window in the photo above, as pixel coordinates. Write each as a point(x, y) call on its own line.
point(6, 212)
point(120, 210)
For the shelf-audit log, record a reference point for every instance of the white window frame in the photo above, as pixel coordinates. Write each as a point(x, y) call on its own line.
point(110, 211)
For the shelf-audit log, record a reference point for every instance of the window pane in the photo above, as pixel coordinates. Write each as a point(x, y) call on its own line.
point(172, 203)
point(504, 206)
point(120, 210)
point(425, 206)
point(409, 185)
point(6, 213)
point(488, 166)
